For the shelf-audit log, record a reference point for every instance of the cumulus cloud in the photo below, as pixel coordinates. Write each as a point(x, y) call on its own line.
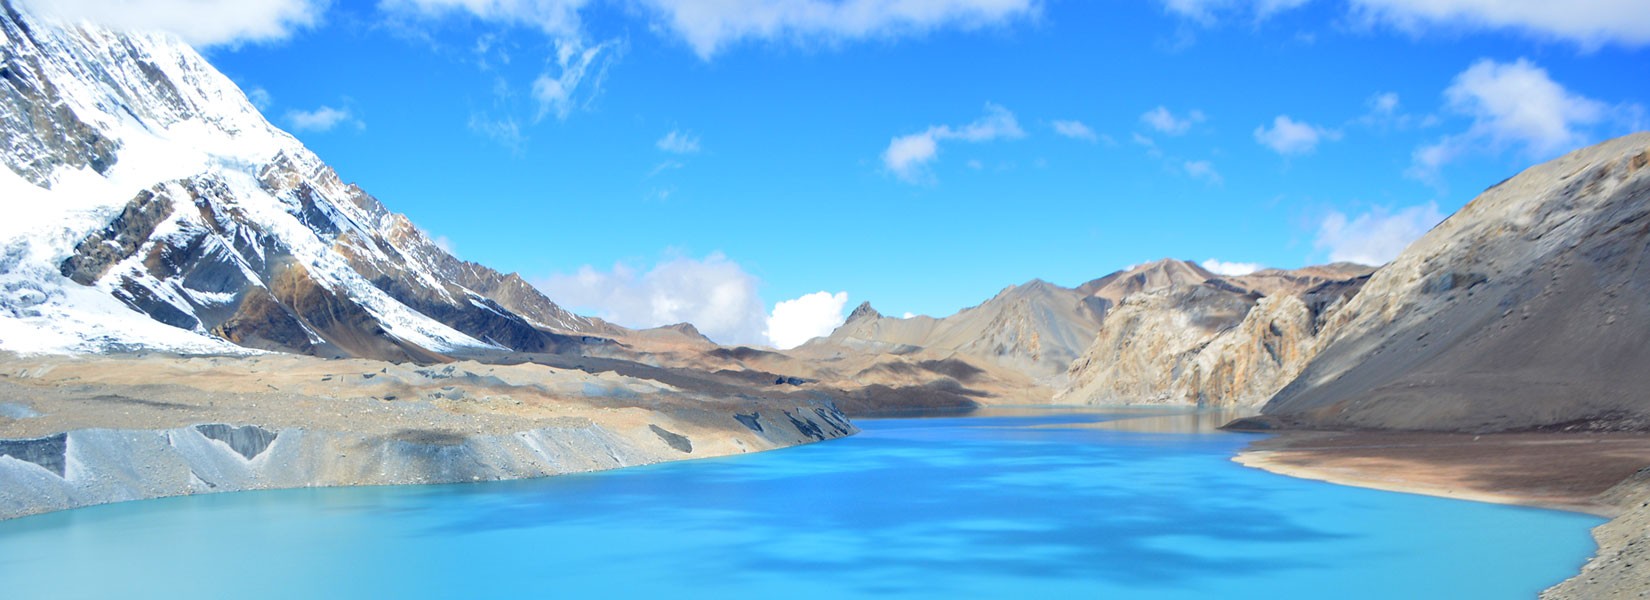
point(907, 156)
point(201, 24)
point(1221, 267)
point(1512, 105)
point(708, 27)
point(322, 119)
point(1288, 136)
point(679, 142)
point(715, 294)
point(1204, 170)
point(1590, 23)
point(799, 320)
point(1164, 120)
point(1377, 236)
point(1075, 130)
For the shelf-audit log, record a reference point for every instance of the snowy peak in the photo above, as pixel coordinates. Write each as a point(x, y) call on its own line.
point(156, 208)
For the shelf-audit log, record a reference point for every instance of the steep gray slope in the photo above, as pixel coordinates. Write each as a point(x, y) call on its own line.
point(1529, 308)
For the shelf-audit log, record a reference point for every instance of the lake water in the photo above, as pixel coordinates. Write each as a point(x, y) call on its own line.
point(991, 507)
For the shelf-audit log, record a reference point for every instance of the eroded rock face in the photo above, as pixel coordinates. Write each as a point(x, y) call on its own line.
point(1528, 309)
point(1181, 335)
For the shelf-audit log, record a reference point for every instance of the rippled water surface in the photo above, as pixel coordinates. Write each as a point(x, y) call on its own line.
point(1010, 506)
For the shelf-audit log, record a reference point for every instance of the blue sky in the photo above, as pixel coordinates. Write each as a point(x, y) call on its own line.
point(659, 160)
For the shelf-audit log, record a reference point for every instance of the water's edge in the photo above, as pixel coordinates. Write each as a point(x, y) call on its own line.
point(88, 467)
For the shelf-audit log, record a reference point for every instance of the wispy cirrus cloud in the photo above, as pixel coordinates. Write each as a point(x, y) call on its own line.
point(908, 156)
point(710, 27)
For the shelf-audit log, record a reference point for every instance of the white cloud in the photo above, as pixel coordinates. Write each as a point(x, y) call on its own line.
point(907, 155)
point(1377, 236)
point(1288, 136)
point(260, 98)
point(1075, 130)
point(908, 315)
point(1165, 121)
point(1384, 103)
point(201, 24)
point(324, 118)
point(715, 294)
point(799, 320)
point(679, 142)
point(1221, 267)
point(1202, 169)
point(445, 244)
point(708, 27)
point(1590, 23)
point(1512, 105)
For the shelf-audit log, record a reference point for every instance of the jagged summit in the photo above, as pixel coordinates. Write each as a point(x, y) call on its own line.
point(1155, 275)
point(863, 311)
point(150, 206)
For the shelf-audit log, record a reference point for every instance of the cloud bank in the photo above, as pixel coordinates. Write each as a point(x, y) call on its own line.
point(715, 294)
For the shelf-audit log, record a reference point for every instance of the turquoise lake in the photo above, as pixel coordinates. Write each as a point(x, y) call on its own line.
point(1007, 506)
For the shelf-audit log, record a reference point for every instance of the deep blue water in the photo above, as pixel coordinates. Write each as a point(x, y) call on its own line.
point(944, 507)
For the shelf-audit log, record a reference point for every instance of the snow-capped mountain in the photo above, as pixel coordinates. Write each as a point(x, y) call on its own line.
point(148, 205)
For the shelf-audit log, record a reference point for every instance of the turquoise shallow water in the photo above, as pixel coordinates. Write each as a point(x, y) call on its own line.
point(945, 508)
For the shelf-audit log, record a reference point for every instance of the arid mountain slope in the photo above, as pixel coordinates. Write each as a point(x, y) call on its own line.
point(1528, 309)
point(1035, 328)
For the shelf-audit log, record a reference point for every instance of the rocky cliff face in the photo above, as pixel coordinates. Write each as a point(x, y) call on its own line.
point(1528, 309)
point(143, 180)
point(1178, 334)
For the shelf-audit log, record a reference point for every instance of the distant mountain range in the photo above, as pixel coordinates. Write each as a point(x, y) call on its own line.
point(152, 208)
